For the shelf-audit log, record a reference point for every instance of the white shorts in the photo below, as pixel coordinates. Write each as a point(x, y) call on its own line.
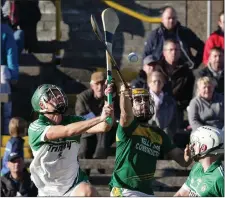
point(123, 192)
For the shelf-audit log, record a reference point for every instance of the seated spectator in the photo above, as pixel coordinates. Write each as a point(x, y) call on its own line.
point(165, 106)
point(17, 129)
point(17, 182)
point(170, 28)
point(149, 64)
point(89, 104)
point(9, 68)
point(216, 39)
point(215, 68)
point(180, 77)
point(207, 108)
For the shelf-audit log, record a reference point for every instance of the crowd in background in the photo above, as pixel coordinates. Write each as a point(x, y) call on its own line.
point(183, 99)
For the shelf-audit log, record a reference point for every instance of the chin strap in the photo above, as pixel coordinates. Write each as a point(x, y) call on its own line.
point(217, 150)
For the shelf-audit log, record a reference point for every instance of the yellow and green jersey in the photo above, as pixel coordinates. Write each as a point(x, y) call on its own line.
point(137, 150)
point(206, 184)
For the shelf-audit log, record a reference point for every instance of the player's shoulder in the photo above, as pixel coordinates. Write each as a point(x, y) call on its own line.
point(35, 125)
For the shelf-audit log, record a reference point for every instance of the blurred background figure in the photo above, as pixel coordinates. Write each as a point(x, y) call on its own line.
point(17, 181)
point(17, 130)
point(89, 104)
point(165, 106)
point(170, 28)
point(207, 107)
point(216, 39)
point(9, 68)
point(215, 68)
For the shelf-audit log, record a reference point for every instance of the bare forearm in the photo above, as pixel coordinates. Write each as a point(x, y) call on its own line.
point(82, 126)
point(125, 110)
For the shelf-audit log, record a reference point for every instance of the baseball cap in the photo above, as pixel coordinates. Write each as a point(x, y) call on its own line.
point(13, 156)
point(97, 77)
point(149, 60)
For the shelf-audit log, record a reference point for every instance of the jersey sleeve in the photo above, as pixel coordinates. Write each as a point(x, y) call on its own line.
point(36, 133)
point(188, 181)
point(123, 133)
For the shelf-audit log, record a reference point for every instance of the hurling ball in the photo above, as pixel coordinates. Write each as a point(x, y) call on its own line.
point(132, 57)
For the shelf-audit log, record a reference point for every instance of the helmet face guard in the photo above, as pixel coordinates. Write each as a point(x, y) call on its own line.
point(143, 104)
point(49, 94)
point(206, 140)
point(56, 98)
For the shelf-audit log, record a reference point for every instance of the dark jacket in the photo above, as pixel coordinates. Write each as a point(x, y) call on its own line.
point(165, 118)
point(140, 81)
point(220, 82)
point(155, 41)
point(26, 188)
point(182, 83)
point(14, 145)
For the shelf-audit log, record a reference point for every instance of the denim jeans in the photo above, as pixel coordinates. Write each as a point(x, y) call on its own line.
point(19, 37)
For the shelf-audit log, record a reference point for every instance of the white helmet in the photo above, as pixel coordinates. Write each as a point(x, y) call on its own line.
point(206, 140)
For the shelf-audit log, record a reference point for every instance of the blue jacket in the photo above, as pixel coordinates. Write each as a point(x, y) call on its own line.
point(14, 145)
point(154, 43)
point(9, 51)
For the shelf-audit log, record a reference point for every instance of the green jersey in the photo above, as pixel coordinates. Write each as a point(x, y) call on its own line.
point(137, 151)
point(55, 168)
point(206, 184)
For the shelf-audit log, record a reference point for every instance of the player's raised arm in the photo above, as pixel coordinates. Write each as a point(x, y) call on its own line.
point(126, 111)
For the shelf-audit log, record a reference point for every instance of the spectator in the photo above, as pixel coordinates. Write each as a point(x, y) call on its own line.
point(17, 182)
point(170, 28)
point(17, 129)
point(206, 178)
point(19, 13)
point(9, 68)
point(215, 68)
point(164, 104)
point(139, 145)
point(207, 108)
point(89, 104)
point(149, 64)
point(54, 139)
point(216, 39)
point(180, 77)
point(10, 13)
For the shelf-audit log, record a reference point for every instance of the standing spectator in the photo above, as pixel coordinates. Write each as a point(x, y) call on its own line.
point(164, 104)
point(19, 13)
point(9, 68)
point(215, 68)
point(139, 145)
point(206, 178)
point(29, 24)
point(17, 129)
point(11, 14)
point(207, 108)
point(89, 104)
point(17, 182)
point(170, 28)
point(216, 39)
point(180, 77)
point(149, 64)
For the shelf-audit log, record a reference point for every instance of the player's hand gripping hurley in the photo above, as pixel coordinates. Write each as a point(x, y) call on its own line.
point(110, 22)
